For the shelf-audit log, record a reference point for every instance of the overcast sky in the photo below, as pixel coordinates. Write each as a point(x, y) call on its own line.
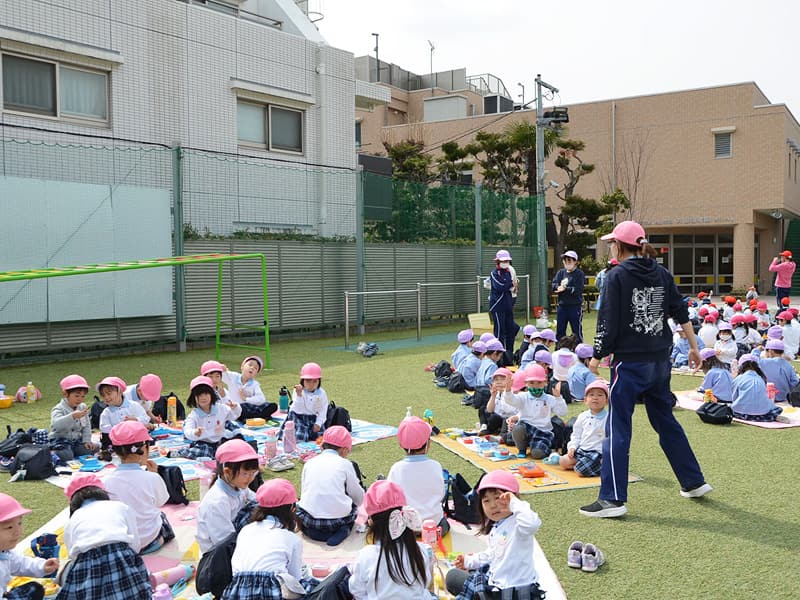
point(589, 49)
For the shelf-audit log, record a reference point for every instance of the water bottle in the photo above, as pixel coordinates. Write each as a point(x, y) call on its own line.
point(289, 438)
point(271, 444)
point(171, 576)
point(283, 399)
point(30, 392)
point(430, 532)
point(172, 409)
point(162, 592)
point(427, 416)
point(408, 411)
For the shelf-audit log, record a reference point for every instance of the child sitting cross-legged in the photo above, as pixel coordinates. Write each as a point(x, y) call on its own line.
point(750, 399)
point(417, 474)
point(70, 428)
point(579, 375)
point(330, 490)
point(309, 407)
point(536, 408)
point(585, 447)
point(718, 378)
point(205, 427)
point(244, 389)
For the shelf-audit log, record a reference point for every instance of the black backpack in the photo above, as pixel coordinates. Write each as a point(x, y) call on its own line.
point(13, 441)
point(793, 397)
point(160, 407)
point(35, 460)
point(94, 413)
point(338, 415)
point(333, 587)
point(442, 370)
point(461, 500)
point(456, 384)
point(214, 571)
point(173, 479)
point(715, 413)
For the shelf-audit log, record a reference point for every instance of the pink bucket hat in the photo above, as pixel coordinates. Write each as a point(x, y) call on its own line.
point(128, 433)
point(584, 351)
point(707, 353)
point(211, 366)
point(73, 382)
point(774, 344)
point(597, 384)
point(276, 492)
point(627, 232)
point(255, 358)
point(761, 305)
point(535, 373)
point(528, 330)
point(412, 433)
point(500, 480)
point(200, 380)
point(785, 315)
point(116, 382)
point(82, 480)
point(465, 335)
point(518, 381)
point(150, 387)
point(543, 356)
point(502, 371)
point(338, 436)
point(10, 508)
point(548, 334)
point(383, 495)
point(235, 451)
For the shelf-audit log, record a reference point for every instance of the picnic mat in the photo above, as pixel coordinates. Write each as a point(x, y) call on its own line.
point(184, 550)
point(555, 478)
point(790, 417)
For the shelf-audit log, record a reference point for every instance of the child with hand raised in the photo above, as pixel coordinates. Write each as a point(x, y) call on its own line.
point(70, 427)
point(245, 390)
point(309, 407)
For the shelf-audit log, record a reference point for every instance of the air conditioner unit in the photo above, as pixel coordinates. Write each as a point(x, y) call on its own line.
point(495, 103)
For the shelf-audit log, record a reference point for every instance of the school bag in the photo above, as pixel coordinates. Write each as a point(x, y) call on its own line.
point(715, 413)
point(35, 460)
point(442, 370)
point(793, 397)
point(173, 479)
point(461, 499)
point(13, 441)
point(561, 433)
point(214, 571)
point(94, 413)
point(456, 384)
point(160, 407)
point(370, 350)
point(338, 415)
point(333, 587)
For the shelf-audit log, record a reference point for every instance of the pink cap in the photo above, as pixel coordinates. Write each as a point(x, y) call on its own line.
point(627, 232)
point(702, 311)
point(499, 480)
point(200, 380)
point(776, 332)
point(736, 319)
point(276, 492)
point(502, 255)
point(535, 373)
point(82, 480)
point(761, 305)
point(597, 384)
point(737, 306)
point(255, 358)
point(10, 508)
point(412, 433)
point(116, 382)
point(709, 319)
point(211, 366)
point(707, 353)
point(495, 345)
point(724, 326)
point(785, 315)
point(528, 330)
point(128, 433)
point(543, 356)
point(548, 334)
point(383, 495)
point(794, 311)
point(584, 351)
point(502, 371)
point(479, 347)
point(338, 436)
point(751, 318)
point(150, 387)
point(570, 254)
point(311, 371)
point(518, 380)
point(235, 451)
point(73, 382)
point(465, 335)
point(485, 337)
point(774, 344)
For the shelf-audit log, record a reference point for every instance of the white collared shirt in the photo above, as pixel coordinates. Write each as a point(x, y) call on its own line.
point(112, 415)
point(537, 411)
point(212, 423)
point(216, 512)
point(266, 547)
point(98, 523)
point(588, 431)
point(364, 585)
point(252, 389)
point(144, 492)
point(311, 403)
point(14, 564)
point(329, 486)
point(423, 483)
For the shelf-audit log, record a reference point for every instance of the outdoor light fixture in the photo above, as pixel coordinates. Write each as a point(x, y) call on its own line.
point(557, 115)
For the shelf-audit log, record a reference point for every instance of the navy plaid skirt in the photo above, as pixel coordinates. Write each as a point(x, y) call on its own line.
point(477, 585)
point(259, 585)
point(770, 416)
point(165, 534)
point(307, 521)
point(242, 518)
point(537, 438)
point(587, 462)
point(110, 572)
point(303, 426)
point(199, 448)
point(32, 590)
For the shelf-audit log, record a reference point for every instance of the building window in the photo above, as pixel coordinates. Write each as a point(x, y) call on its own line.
point(271, 127)
point(723, 145)
point(52, 89)
point(358, 134)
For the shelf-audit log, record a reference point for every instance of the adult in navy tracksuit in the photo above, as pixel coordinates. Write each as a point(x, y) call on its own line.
point(639, 296)
point(568, 284)
point(501, 304)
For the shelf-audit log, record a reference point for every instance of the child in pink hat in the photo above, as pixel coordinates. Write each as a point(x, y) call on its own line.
point(13, 563)
point(142, 489)
point(395, 565)
point(70, 426)
point(725, 346)
point(244, 389)
point(498, 410)
point(214, 370)
point(103, 544)
point(309, 407)
point(507, 564)
point(268, 551)
point(331, 490)
point(418, 474)
point(534, 429)
point(210, 423)
point(585, 446)
point(145, 393)
point(117, 409)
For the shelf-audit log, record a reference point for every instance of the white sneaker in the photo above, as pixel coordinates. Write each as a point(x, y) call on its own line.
point(697, 492)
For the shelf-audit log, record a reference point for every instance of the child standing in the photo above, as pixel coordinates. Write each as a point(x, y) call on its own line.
point(116, 411)
point(146, 392)
point(246, 391)
point(330, 490)
point(585, 446)
point(417, 474)
point(535, 428)
point(718, 378)
point(142, 490)
point(227, 505)
point(750, 400)
point(206, 425)
point(395, 565)
point(507, 564)
point(103, 544)
point(309, 407)
point(579, 375)
point(14, 564)
point(268, 547)
point(70, 429)
point(464, 348)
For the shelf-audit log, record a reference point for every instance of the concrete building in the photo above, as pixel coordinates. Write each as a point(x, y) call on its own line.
point(711, 172)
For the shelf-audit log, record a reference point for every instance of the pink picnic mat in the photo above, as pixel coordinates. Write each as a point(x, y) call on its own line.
point(790, 417)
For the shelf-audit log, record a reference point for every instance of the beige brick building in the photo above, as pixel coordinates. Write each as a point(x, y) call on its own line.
point(711, 172)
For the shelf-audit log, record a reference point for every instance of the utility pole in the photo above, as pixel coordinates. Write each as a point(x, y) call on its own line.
point(377, 59)
point(541, 231)
point(430, 43)
point(522, 95)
